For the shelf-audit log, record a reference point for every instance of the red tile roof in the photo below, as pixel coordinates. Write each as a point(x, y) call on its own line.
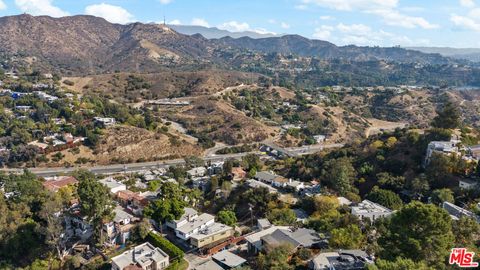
point(60, 182)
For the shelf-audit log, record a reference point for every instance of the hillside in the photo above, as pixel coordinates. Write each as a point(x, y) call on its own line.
point(86, 44)
point(295, 44)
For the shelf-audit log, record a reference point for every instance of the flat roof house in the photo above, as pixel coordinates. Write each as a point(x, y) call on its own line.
point(467, 184)
point(144, 256)
point(194, 225)
point(456, 212)
point(341, 260)
point(228, 260)
point(371, 210)
point(113, 185)
point(210, 235)
point(189, 215)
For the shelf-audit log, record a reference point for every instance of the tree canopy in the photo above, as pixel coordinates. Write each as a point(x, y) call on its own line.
point(419, 232)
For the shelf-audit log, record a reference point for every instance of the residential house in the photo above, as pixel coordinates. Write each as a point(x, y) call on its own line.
point(228, 260)
point(257, 184)
point(215, 168)
point(144, 256)
point(55, 183)
point(370, 210)
point(211, 235)
point(194, 225)
point(104, 121)
point(340, 260)
point(207, 265)
point(468, 184)
point(189, 215)
point(474, 151)
point(456, 212)
point(444, 147)
point(263, 224)
point(132, 201)
point(197, 172)
point(113, 185)
point(295, 185)
point(271, 179)
point(320, 138)
point(275, 235)
point(238, 173)
point(297, 238)
point(119, 230)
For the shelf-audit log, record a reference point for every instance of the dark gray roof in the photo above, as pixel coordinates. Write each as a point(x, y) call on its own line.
point(300, 237)
point(228, 259)
point(265, 176)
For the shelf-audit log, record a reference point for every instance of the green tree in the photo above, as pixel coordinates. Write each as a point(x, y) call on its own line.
point(339, 174)
point(391, 182)
point(95, 202)
point(282, 216)
point(227, 217)
point(442, 195)
point(419, 232)
point(466, 231)
point(448, 117)
point(251, 162)
point(386, 198)
point(399, 264)
point(143, 228)
point(350, 237)
point(275, 259)
point(169, 206)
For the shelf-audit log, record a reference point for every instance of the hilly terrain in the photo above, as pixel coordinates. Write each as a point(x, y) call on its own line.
point(88, 45)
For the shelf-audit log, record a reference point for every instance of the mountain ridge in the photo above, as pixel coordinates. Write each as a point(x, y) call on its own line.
point(87, 44)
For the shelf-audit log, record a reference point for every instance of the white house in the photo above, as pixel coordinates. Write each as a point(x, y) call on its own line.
point(113, 185)
point(189, 215)
point(197, 172)
point(194, 225)
point(144, 256)
point(371, 210)
point(443, 147)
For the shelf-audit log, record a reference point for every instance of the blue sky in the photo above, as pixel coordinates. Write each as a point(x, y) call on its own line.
point(454, 23)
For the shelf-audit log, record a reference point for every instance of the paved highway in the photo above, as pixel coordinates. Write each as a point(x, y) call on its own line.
point(136, 167)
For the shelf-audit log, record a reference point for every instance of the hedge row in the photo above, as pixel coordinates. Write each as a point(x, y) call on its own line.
point(173, 251)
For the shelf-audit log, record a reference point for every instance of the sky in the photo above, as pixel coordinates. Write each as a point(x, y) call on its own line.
point(432, 23)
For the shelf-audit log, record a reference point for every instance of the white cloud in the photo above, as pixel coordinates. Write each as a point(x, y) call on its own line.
point(465, 22)
point(3, 6)
point(467, 3)
point(175, 22)
point(323, 32)
point(165, 2)
point(113, 14)
point(272, 21)
point(395, 18)
point(301, 7)
point(470, 21)
point(39, 7)
point(234, 26)
point(285, 25)
point(349, 5)
point(326, 18)
point(386, 9)
point(200, 22)
point(262, 31)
